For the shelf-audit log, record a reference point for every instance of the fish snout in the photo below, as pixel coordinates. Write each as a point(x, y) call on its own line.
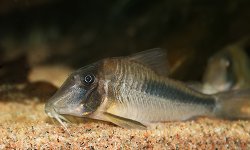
point(50, 110)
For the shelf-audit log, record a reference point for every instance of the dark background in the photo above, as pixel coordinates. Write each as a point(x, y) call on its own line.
point(78, 32)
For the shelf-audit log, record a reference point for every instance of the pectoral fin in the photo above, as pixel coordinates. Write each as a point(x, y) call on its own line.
point(124, 122)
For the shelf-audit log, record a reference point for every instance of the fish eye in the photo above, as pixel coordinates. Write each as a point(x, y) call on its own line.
point(88, 79)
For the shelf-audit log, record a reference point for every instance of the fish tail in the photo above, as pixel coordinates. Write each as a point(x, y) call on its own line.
point(233, 104)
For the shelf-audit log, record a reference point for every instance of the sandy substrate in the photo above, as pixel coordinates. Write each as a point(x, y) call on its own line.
point(23, 124)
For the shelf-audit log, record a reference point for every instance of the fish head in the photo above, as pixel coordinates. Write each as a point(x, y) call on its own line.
point(78, 96)
point(219, 73)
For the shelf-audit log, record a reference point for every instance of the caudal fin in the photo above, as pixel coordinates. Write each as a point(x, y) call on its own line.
point(233, 104)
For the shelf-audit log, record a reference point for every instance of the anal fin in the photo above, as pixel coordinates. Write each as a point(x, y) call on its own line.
point(124, 122)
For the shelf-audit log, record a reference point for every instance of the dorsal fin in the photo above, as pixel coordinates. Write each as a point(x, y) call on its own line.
point(155, 58)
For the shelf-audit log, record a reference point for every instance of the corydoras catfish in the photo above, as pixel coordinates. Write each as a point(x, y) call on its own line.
point(133, 92)
point(228, 69)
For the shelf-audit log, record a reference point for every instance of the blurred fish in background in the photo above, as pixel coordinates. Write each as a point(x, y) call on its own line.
point(228, 69)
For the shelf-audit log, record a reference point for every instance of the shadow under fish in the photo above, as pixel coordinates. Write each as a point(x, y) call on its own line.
point(15, 86)
point(39, 90)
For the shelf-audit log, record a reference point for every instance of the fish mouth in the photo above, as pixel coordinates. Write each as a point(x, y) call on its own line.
point(52, 113)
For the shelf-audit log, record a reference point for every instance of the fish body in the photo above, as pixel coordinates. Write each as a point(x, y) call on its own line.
point(133, 93)
point(138, 93)
point(228, 69)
